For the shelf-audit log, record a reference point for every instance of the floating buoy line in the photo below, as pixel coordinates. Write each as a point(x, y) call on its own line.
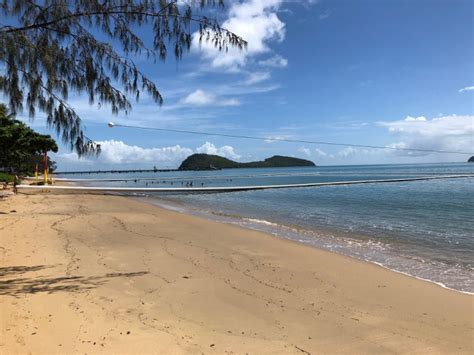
point(144, 190)
point(227, 177)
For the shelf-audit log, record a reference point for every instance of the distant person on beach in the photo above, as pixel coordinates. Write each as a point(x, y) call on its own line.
point(15, 182)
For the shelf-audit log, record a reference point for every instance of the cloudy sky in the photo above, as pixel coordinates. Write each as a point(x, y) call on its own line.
point(395, 73)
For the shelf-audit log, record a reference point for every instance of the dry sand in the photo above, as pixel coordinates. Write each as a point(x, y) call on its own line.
point(87, 274)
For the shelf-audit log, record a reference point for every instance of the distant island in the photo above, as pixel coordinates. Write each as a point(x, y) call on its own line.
point(210, 162)
point(471, 159)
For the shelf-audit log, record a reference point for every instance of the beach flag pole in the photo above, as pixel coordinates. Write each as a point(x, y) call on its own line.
point(45, 167)
point(36, 174)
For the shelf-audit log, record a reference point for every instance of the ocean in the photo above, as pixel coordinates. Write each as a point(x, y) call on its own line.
point(422, 228)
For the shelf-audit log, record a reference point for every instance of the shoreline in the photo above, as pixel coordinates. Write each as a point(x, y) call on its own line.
point(112, 274)
point(259, 225)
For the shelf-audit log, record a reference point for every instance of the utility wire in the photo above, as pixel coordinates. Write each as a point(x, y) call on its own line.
point(111, 124)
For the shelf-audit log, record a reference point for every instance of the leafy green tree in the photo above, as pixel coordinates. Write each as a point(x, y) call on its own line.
point(20, 146)
point(50, 47)
point(28, 166)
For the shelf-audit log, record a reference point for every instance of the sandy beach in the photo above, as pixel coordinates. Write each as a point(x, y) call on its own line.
point(109, 274)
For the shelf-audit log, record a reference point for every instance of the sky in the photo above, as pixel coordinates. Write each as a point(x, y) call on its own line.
point(395, 73)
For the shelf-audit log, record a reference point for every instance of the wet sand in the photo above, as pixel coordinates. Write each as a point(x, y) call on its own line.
point(89, 274)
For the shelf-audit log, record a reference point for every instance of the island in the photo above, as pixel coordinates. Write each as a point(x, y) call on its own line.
point(212, 162)
point(471, 159)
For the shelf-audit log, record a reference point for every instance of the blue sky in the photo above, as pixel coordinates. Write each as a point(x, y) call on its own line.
point(379, 72)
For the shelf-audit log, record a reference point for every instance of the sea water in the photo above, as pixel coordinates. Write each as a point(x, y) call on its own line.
point(422, 228)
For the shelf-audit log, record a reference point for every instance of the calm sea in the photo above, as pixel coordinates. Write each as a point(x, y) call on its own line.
point(423, 228)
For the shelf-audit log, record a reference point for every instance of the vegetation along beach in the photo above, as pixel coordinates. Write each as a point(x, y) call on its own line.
point(236, 177)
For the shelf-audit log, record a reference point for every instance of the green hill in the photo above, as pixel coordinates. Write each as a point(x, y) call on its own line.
point(209, 162)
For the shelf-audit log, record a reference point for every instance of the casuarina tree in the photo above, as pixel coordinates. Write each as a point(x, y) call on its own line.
point(49, 48)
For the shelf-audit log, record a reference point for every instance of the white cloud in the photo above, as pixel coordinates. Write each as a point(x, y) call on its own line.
point(352, 152)
point(276, 138)
point(400, 152)
point(277, 61)
point(305, 151)
point(320, 152)
point(257, 77)
point(225, 151)
point(317, 152)
point(347, 152)
point(436, 127)
point(257, 22)
point(453, 133)
point(325, 15)
point(467, 88)
point(116, 153)
point(415, 119)
point(228, 102)
point(201, 98)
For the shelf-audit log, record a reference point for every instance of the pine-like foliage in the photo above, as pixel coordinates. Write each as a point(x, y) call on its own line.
point(49, 48)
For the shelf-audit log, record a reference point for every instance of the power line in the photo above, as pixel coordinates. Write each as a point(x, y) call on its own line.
point(111, 124)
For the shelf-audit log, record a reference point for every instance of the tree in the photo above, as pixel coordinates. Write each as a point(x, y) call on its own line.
point(38, 160)
point(20, 146)
point(51, 47)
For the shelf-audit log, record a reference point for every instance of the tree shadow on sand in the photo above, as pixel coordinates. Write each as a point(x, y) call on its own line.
point(20, 286)
point(15, 270)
